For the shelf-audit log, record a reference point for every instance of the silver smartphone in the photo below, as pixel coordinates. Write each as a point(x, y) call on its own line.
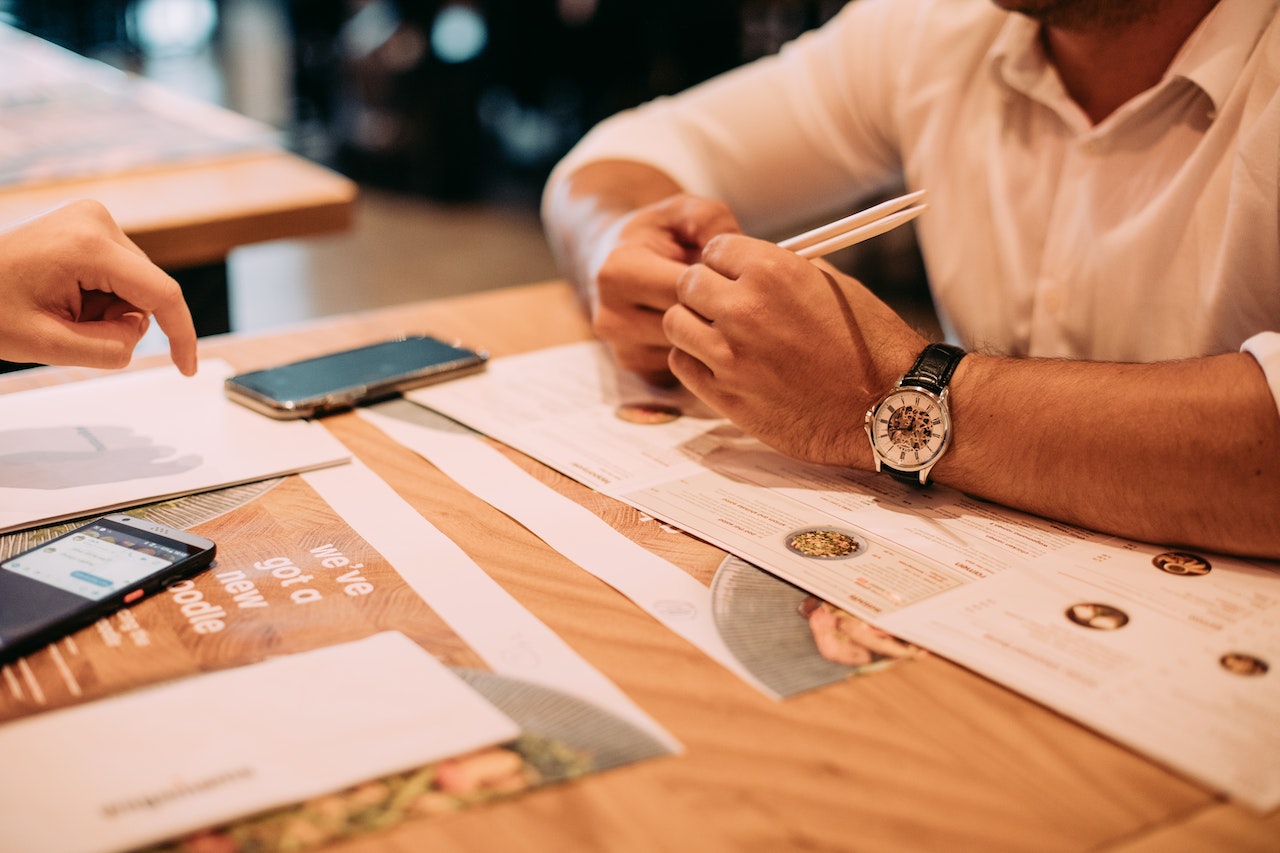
point(330, 383)
point(70, 581)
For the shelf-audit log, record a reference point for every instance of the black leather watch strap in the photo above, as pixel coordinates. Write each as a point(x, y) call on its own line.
point(911, 478)
point(934, 367)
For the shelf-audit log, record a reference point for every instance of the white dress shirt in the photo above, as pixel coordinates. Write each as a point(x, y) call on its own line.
point(1152, 235)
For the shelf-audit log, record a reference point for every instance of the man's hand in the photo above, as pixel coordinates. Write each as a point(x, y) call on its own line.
point(624, 232)
point(791, 351)
point(77, 290)
point(1180, 453)
point(634, 273)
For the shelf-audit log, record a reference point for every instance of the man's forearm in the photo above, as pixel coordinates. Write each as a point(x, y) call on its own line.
point(1184, 452)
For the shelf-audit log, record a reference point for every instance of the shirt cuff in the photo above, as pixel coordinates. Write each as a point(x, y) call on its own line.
point(1265, 347)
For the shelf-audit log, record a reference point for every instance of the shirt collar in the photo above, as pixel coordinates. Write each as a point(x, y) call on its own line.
point(1016, 57)
point(1212, 59)
point(1216, 54)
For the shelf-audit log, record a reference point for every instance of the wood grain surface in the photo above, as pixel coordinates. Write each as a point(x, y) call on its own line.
point(188, 215)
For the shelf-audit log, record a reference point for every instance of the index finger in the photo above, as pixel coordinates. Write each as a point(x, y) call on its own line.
point(637, 275)
point(143, 284)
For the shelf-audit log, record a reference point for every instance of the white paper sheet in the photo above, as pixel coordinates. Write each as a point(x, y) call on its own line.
point(510, 638)
point(120, 440)
point(147, 765)
point(1004, 593)
point(661, 589)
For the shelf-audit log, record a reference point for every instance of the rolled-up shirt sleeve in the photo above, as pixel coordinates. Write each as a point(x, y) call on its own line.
point(1265, 347)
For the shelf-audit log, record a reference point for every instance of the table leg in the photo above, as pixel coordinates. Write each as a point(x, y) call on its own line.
point(208, 297)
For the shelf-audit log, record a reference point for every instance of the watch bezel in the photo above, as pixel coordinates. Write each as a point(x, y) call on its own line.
point(939, 401)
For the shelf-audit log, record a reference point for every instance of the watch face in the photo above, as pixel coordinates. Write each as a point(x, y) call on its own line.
point(909, 428)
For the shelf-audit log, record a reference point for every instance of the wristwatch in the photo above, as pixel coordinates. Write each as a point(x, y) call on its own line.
point(910, 428)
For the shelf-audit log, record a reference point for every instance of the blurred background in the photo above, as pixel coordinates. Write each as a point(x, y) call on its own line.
point(449, 114)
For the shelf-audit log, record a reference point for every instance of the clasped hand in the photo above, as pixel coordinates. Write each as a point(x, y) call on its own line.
point(790, 350)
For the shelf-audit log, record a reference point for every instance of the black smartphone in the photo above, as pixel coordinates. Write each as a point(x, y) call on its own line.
point(70, 581)
point(340, 380)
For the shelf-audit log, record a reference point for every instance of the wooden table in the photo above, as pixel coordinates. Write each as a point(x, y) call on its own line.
point(923, 756)
point(190, 215)
point(187, 215)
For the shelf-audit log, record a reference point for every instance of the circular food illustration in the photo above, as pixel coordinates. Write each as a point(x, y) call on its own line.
point(1101, 617)
point(825, 543)
point(647, 413)
point(790, 641)
point(1239, 663)
point(1181, 563)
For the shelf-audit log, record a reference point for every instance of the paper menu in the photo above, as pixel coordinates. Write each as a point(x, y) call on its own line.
point(569, 408)
point(1150, 667)
point(662, 589)
point(119, 440)
point(772, 635)
point(144, 766)
point(1107, 630)
point(495, 626)
point(307, 562)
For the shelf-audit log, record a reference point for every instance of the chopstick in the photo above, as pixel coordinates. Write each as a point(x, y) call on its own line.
point(863, 225)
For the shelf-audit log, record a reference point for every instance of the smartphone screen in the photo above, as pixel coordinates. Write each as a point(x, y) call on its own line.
point(344, 379)
point(67, 582)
